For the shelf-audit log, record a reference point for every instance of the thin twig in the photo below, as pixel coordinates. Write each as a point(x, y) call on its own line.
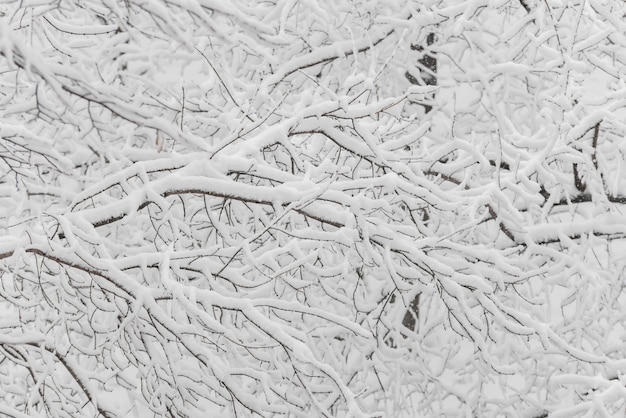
point(224, 84)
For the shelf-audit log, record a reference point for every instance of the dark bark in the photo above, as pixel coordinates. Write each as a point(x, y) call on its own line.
point(428, 68)
point(525, 5)
point(411, 314)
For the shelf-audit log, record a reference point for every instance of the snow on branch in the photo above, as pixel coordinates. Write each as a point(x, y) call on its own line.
point(311, 208)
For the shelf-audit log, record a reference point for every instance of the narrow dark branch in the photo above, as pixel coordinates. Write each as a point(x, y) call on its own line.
point(587, 197)
point(412, 314)
point(224, 84)
point(606, 235)
point(367, 158)
point(503, 165)
point(333, 57)
point(111, 219)
point(428, 68)
point(127, 294)
point(503, 227)
point(525, 5)
point(182, 111)
point(594, 144)
point(79, 381)
point(491, 210)
point(88, 33)
point(578, 182)
point(177, 192)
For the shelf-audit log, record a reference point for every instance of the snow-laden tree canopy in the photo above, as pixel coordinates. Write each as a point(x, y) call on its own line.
point(312, 208)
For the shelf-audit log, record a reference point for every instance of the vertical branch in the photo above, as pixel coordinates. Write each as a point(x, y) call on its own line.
point(182, 111)
point(594, 144)
point(428, 68)
point(412, 313)
point(578, 182)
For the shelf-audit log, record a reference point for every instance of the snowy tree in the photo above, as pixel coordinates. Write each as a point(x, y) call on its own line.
point(350, 208)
